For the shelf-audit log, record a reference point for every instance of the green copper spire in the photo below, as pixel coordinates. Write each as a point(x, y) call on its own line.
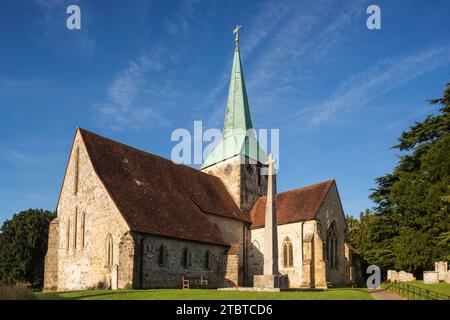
point(238, 136)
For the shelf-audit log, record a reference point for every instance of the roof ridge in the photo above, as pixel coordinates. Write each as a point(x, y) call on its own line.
point(143, 151)
point(303, 188)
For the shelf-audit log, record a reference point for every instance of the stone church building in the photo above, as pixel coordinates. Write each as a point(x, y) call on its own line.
point(129, 218)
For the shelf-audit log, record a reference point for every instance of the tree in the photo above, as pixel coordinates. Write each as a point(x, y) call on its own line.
point(23, 245)
point(410, 226)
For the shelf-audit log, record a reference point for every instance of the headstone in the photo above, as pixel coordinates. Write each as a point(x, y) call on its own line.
point(430, 277)
point(441, 268)
point(405, 276)
point(392, 275)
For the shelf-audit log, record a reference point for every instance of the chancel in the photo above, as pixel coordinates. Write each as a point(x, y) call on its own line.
point(127, 218)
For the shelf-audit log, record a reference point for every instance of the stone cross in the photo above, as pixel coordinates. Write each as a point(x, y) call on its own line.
point(270, 229)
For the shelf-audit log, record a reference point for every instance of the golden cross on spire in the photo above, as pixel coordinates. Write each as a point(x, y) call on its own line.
point(236, 32)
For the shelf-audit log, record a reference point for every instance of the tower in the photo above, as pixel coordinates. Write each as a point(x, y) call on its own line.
point(238, 158)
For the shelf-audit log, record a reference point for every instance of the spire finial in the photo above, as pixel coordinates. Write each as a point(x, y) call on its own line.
point(236, 32)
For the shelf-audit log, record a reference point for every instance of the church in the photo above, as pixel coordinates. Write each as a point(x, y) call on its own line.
point(127, 218)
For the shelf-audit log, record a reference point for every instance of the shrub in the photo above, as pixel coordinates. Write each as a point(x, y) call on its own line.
point(128, 286)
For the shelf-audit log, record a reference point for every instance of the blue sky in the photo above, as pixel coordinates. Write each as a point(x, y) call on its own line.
point(339, 93)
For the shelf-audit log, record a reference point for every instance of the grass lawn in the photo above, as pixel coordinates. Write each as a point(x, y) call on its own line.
point(205, 294)
point(441, 287)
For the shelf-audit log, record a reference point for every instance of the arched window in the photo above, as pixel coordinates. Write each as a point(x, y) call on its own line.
point(332, 245)
point(109, 250)
point(186, 257)
point(162, 255)
point(288, 255)
point(77, 169)
point(207, 259)
point(75, 222)
point(83, 229)
point(68, 236)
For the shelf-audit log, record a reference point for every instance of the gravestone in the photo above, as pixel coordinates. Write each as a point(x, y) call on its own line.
point(392, 275)
point(441, 268)
point(405, 276)
point(430, 277)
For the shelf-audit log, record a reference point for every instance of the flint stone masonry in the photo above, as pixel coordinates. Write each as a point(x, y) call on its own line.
point(77, 260)
point(308, 239)
point(441, 268)
point(169, 274)
point(242, 180)
point(430, 277)
point(83, 266)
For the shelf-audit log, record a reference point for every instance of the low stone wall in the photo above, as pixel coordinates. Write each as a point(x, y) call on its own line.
point(430, 277)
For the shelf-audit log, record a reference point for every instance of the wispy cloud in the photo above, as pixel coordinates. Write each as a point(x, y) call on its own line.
point(121, 108)
point(135, 100)
point(300, 49)
point(384, 76)
point(13, 87)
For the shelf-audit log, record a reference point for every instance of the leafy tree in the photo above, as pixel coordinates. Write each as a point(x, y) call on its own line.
point(410, 226)
point(23, 245)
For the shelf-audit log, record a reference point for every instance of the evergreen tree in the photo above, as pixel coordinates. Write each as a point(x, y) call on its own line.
point(409, 228)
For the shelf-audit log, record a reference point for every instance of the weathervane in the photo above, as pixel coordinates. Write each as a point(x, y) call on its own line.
point(236, 32)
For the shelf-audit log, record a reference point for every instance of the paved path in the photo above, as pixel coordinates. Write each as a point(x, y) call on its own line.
point(384, 295)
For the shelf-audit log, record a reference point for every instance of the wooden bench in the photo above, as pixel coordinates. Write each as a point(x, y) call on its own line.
point(188, 283)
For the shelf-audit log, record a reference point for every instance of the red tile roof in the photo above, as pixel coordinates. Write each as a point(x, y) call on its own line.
point(293, 206)
point(157, 196)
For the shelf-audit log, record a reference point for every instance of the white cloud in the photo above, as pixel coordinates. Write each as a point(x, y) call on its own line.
point(121, 108)
point(138, 94)
point(384, 76)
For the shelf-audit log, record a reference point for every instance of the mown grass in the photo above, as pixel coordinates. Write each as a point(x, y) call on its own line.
point(206, 294)
point(441, 287)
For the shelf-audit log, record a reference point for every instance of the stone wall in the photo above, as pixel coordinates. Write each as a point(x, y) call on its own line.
point(255, 263)
point(231, 267)
point(51, 258)
point(149, 273)
point(308, 238)
point(331, 210)
point(81, 256)
point(242, 180)
point(235, 232)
